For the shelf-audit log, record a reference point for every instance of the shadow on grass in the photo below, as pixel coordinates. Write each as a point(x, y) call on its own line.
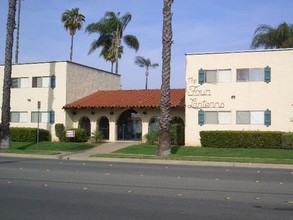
point(174, 149)
point(24, 147)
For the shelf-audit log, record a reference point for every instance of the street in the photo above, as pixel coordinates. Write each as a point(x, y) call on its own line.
point(67, 189)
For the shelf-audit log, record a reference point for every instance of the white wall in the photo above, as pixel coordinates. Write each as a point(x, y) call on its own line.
point(251, 96)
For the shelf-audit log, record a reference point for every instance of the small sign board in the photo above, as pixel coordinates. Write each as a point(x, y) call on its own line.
point(70, 134)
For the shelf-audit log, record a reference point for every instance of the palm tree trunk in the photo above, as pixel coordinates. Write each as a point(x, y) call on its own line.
point(117, 46)
point(17, 31)
point(146, 78)
point(5, 118)
point(71, 47)
point(164, 140)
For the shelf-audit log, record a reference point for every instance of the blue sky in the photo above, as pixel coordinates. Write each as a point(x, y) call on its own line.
point(198, 26)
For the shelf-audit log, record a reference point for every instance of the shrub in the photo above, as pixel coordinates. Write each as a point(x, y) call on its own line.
point(28, 134)
point(80, 135)
point(176, 133)
point(59, 131)
point(242, 139)
point(287, 140)
point(152, 137)
point(97, 137)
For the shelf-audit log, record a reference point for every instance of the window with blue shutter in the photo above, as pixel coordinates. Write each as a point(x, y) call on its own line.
point(267, 117)
point(200, 117)
point(52, 117)
point(268, 74)
point(201, 77)
point(53, 81)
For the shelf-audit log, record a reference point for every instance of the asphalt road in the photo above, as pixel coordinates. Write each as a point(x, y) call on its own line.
point(64, 189)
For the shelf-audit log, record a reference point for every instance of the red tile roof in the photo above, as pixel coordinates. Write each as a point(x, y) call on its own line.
point(128, 99)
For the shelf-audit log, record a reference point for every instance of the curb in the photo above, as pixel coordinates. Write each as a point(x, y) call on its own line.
point(66, 156)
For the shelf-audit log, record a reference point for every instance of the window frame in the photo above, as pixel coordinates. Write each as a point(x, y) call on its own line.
point(38, 82)
point(249, 76)
point(20, 115)
point(19, 82)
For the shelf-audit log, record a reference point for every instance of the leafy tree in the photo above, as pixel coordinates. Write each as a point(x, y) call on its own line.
point(269, 37)
point(72, 21)
point(164, 139)
point(5, 118)
point(147, 63)
point(111, 28)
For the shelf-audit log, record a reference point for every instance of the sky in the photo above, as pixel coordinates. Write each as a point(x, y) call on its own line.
point(198, 26)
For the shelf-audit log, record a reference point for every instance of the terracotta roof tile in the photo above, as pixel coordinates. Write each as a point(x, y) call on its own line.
point(128, 98)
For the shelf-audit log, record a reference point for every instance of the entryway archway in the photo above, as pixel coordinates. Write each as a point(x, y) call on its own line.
point(129, 126)
point(85, 123)
point(104, 127)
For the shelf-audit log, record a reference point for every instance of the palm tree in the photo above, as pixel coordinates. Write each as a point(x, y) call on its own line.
point(164, 140)
point(147, 63)
point(17, 31)
point(72, 21)
point(111, 27)
point(269, 37)
point(5, 118)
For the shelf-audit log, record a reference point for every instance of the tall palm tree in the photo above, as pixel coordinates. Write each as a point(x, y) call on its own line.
point(269, 37)
point(17, 31)
point(164, 140)
point(112, 26)
point(72, 21)
point(147, 63)
point(5, 117)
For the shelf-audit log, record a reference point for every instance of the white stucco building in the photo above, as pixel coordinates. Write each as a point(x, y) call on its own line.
point(245, 90)
point(52, 84)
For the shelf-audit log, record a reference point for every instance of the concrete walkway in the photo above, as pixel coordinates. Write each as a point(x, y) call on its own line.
point(104, 148)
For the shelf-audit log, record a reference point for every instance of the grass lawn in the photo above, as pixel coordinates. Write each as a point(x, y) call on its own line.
point(46, 148)
point(208, 154)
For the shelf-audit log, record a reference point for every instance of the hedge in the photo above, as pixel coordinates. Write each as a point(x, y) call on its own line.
point(28, 134)
point(287, 140)
point(242, 139)
point(80, 135)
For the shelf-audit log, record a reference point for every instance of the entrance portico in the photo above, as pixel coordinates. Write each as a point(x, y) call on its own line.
point(123, 114)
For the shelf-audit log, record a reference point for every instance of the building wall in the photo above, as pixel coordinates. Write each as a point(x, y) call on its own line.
point(81, 81)
point(72, 81)
point(236, 96)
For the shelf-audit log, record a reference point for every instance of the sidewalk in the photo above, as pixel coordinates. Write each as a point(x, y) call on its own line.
point(104, 148)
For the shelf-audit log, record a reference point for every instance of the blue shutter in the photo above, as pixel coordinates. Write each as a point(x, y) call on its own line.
point(52, 117)
point(201, 77)
point(267, 74)
point(53, 81)
point(267, 117)
point(200, 117)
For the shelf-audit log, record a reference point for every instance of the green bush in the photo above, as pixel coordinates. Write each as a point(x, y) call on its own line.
point(152, 137)
point(97, 137)
point(287, 140)
point(28, 134)
point(80, 135)
point(242, 139)
point(176, 134)
point(59, 131)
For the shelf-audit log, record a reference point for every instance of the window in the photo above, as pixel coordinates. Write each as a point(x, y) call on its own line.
point(44, 117)
point(18, 117)
point(41, 82)
point(214, 76)
point(250, 75)
point(214, 117)
point(19, 82)
point(250, 117)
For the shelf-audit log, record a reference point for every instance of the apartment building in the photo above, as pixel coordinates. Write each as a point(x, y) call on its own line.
point(245, 90)
point(40, 90)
